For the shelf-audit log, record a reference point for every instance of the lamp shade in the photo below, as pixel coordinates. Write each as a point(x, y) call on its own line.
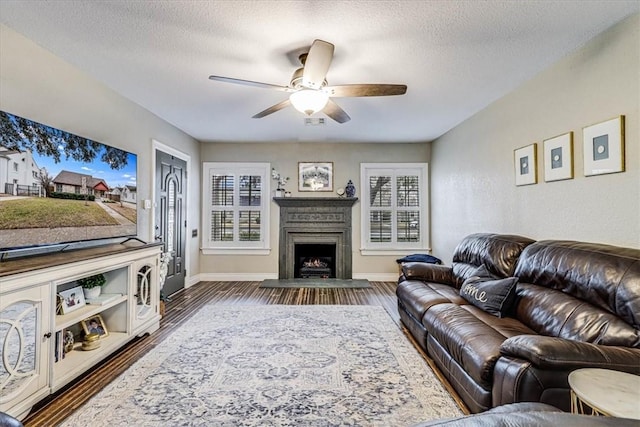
point(309, 101)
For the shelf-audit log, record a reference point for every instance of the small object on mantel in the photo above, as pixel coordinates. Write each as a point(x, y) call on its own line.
point(350, 189)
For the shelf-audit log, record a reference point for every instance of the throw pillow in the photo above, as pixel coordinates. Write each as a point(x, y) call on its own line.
point(488, 293)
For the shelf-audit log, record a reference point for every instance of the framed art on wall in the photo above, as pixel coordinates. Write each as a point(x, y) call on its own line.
point(315, 176)
point(604, 147)
point(525, 163)
point(558, 157)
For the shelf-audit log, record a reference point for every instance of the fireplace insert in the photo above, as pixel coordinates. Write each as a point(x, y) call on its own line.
point(315, 261)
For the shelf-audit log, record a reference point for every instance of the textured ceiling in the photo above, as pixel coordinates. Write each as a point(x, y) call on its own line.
point(456, 57)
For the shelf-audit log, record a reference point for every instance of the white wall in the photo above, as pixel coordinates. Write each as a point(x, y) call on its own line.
point(472, 177)
point(39, 86)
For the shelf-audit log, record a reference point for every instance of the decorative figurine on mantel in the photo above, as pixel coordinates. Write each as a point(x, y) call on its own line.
point(282, 181)
point(350, 189)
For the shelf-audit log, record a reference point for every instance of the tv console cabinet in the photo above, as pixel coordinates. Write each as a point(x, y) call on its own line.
point(33, 361)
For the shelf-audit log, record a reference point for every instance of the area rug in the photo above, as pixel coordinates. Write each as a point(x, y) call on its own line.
point(275, 366)
point(316, 283)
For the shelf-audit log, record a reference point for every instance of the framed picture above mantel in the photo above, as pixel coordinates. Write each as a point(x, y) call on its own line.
point(315, 176)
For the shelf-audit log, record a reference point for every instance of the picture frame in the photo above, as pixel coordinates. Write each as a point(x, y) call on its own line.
point(71, 300)
point(558, 157)
point(603, 147)
point(315, 176)
point(95, 324)
point(526, 164)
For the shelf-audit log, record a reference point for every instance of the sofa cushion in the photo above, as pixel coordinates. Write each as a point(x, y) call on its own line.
point(553, 313)
point(417, 297)
point(472, 337)
point(488, 293)
point(605, 276)
point(498, 252)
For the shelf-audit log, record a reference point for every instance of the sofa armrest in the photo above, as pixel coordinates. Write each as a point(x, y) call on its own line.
point(428, 273)
point(559, 353)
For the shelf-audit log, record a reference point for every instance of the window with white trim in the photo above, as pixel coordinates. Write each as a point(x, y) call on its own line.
point(235, 208)
point(394, 207)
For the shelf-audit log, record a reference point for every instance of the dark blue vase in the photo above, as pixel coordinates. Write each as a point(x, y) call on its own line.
point(350, 189)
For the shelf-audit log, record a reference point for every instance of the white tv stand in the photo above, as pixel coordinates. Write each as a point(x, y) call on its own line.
point(31, 364)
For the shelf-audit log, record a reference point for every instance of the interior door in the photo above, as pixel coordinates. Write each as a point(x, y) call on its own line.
point(170, 220)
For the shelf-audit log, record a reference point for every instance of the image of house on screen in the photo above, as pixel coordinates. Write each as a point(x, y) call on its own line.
point(73, 182)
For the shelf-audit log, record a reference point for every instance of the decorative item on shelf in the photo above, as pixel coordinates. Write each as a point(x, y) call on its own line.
point(340, 192)
point(59, 301)
point(68, 341)
point(91, 342)
point(92, 285)
point(287, 194)
point(95, 325)
point(72, 299)
point(165, 257)
point(282, 181)
point(350, 189)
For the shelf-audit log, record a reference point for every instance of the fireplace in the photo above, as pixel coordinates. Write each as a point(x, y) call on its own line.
point(315, 261)
point(317, 227)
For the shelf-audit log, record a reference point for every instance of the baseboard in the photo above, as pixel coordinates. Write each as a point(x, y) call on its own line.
point(257, 277)
point(192, 280)
point(235, 277)
point(377, 277)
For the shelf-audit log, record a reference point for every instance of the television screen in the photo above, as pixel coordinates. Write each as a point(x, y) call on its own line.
point(59, 188)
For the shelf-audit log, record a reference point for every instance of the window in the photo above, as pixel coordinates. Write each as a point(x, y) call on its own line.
point(394, 207)
point(236, 208)
point(15, 166)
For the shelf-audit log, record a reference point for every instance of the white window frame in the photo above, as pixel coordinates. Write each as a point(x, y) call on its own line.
point(236, 247)
point(393, 248)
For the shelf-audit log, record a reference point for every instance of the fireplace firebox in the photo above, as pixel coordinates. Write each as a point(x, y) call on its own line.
point(320, 222)
point(315, 261)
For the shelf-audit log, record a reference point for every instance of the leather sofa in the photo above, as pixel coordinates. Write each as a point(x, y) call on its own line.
point(529, 415)
point(576, 305)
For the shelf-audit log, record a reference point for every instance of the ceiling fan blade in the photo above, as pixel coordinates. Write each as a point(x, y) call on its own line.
point(250, 83)
point(334, 111)
point(279, 106)
point(365, 90)
point(317, 64)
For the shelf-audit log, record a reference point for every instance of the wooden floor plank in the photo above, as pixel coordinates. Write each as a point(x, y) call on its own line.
point(54, 409)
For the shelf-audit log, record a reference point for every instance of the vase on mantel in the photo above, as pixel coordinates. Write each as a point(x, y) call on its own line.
point(278, 193)
point(350, 189)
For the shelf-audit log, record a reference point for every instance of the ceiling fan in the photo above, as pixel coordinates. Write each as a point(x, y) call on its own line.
point(309, 90)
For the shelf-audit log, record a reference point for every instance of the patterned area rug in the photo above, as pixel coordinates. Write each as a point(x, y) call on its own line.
point(275, 366)
point(316, 283)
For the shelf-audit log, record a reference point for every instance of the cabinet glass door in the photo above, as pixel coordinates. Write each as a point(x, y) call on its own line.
point(21, 349)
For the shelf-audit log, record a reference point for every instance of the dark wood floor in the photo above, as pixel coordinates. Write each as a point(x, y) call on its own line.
point(182, 306)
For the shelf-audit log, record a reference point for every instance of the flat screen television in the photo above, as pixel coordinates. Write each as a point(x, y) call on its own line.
point(59, 190)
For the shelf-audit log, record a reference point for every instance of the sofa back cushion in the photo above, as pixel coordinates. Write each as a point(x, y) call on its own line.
point(497, 252)
point(553, 313)
point(606, 277)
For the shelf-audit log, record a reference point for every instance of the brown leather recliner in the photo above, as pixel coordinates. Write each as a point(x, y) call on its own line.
point(577, 306)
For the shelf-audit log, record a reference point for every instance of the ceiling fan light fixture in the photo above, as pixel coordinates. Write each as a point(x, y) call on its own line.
point(309, 101)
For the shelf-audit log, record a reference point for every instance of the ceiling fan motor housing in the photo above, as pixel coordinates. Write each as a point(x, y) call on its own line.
point(296, 80)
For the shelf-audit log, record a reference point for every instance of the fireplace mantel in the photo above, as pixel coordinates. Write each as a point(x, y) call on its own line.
point(315, 201)
point(315, 220)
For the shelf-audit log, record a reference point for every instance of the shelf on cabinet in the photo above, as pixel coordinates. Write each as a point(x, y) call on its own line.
point(78, 360)
point(65, 320)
